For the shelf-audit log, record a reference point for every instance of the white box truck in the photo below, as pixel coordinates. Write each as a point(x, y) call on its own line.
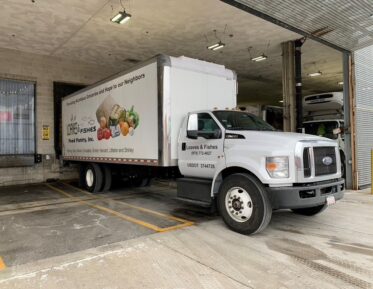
point(323, 116)
point(174, 115)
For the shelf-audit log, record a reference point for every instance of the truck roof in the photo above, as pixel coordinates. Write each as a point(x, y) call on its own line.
point(183, 62)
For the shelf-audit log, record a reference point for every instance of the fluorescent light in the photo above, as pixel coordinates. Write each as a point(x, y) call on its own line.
point(116, 17)
point(281, 101)
point(259, 58)
point(216, 46)
point(340, 83)
point(219, 47)
point(125, 19)
point(121, 17)
point(213, 46)
point(313, 74)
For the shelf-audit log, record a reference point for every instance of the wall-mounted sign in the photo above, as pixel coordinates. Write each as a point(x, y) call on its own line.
point(46, 132)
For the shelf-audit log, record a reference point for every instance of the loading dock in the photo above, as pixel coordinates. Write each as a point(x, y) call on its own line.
point(54, 234)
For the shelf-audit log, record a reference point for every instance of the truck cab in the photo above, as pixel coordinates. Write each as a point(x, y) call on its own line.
point(250, 169)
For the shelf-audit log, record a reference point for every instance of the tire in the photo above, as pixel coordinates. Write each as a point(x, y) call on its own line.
point(343, 165)
point(81, 176)
point(310, 211)
point(141, 182)
point(343, 170)
point(243, 204)
point(107, 178)
point(93, 178)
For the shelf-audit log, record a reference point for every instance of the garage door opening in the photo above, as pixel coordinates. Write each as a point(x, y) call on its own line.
point(60, 90)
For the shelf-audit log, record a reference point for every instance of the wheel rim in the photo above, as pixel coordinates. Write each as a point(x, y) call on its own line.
point(89, 177)
point(239, 204)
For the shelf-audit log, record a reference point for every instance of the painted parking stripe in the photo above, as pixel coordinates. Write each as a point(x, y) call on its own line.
point(110, 211)
point(2, 264)
point(166, 216)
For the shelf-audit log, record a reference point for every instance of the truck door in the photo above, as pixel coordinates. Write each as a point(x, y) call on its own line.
point(200, 146)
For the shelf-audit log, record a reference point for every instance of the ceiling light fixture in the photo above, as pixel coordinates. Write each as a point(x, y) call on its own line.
point(216, 46)
point(340, 83)
point(259, 58)
point(281, 101)
point(121, 17)
point(313, 74)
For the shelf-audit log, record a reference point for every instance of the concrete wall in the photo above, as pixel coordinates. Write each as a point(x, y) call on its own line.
point(44, 70)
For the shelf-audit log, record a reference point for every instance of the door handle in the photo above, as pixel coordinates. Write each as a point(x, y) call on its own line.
point(183, 146)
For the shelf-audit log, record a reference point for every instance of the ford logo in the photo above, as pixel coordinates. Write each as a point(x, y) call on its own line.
point(327, 161)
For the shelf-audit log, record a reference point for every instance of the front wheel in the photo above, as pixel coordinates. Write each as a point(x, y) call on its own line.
point(310, 211)
point(243, 204)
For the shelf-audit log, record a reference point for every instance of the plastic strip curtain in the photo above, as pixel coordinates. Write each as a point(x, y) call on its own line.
point(17, 119)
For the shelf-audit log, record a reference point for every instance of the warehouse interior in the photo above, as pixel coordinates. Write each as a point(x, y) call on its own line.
point(56, 233)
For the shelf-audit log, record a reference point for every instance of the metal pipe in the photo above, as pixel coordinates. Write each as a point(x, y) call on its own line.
point(298, 82)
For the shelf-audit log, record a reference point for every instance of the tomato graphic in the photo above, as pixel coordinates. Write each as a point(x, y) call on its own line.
point(107, 133)
point(100, 134)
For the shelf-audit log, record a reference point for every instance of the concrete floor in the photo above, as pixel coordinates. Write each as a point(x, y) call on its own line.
point(56, 236)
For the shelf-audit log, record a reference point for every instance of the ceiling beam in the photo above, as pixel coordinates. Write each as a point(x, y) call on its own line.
point(273, 20)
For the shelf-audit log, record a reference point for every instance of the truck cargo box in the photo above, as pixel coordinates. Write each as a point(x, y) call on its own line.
point(134, 116)
point(323, 101)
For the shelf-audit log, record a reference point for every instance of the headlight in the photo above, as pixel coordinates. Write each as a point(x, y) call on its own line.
point(277, 167)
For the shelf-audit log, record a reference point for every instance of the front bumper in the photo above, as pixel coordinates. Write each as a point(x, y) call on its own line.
point(305, 195)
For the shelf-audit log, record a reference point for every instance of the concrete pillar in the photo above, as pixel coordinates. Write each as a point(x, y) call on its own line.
point(288, 86)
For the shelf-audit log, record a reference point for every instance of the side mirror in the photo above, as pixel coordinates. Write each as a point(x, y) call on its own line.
point(193, 134)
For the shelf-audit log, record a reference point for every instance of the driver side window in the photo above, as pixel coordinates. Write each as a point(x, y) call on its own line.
point(204, 124)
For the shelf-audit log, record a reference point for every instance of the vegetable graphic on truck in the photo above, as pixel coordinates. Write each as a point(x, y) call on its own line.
point(115, 120)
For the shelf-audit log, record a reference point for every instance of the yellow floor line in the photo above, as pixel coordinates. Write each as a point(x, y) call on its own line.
point(2, 264)
point(176, 227)
point(170, 217)
point(154, 212)
point(78, 189)
point(112, 212)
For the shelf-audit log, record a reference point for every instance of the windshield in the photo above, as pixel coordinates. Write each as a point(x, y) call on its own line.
point(237, 120)
point(322, 128)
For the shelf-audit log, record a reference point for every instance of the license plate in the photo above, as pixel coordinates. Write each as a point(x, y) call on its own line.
point(330, 200)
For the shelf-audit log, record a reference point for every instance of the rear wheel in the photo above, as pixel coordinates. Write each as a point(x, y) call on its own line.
point(243, 204)
point(107, 178)
point(310, 211)
point(93, 178)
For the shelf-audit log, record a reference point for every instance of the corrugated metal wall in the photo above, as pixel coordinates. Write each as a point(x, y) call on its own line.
point(347, 21)
point(364, 113)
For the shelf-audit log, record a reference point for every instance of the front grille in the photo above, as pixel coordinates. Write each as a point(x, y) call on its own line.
point(324, 159)
point(320, 155)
